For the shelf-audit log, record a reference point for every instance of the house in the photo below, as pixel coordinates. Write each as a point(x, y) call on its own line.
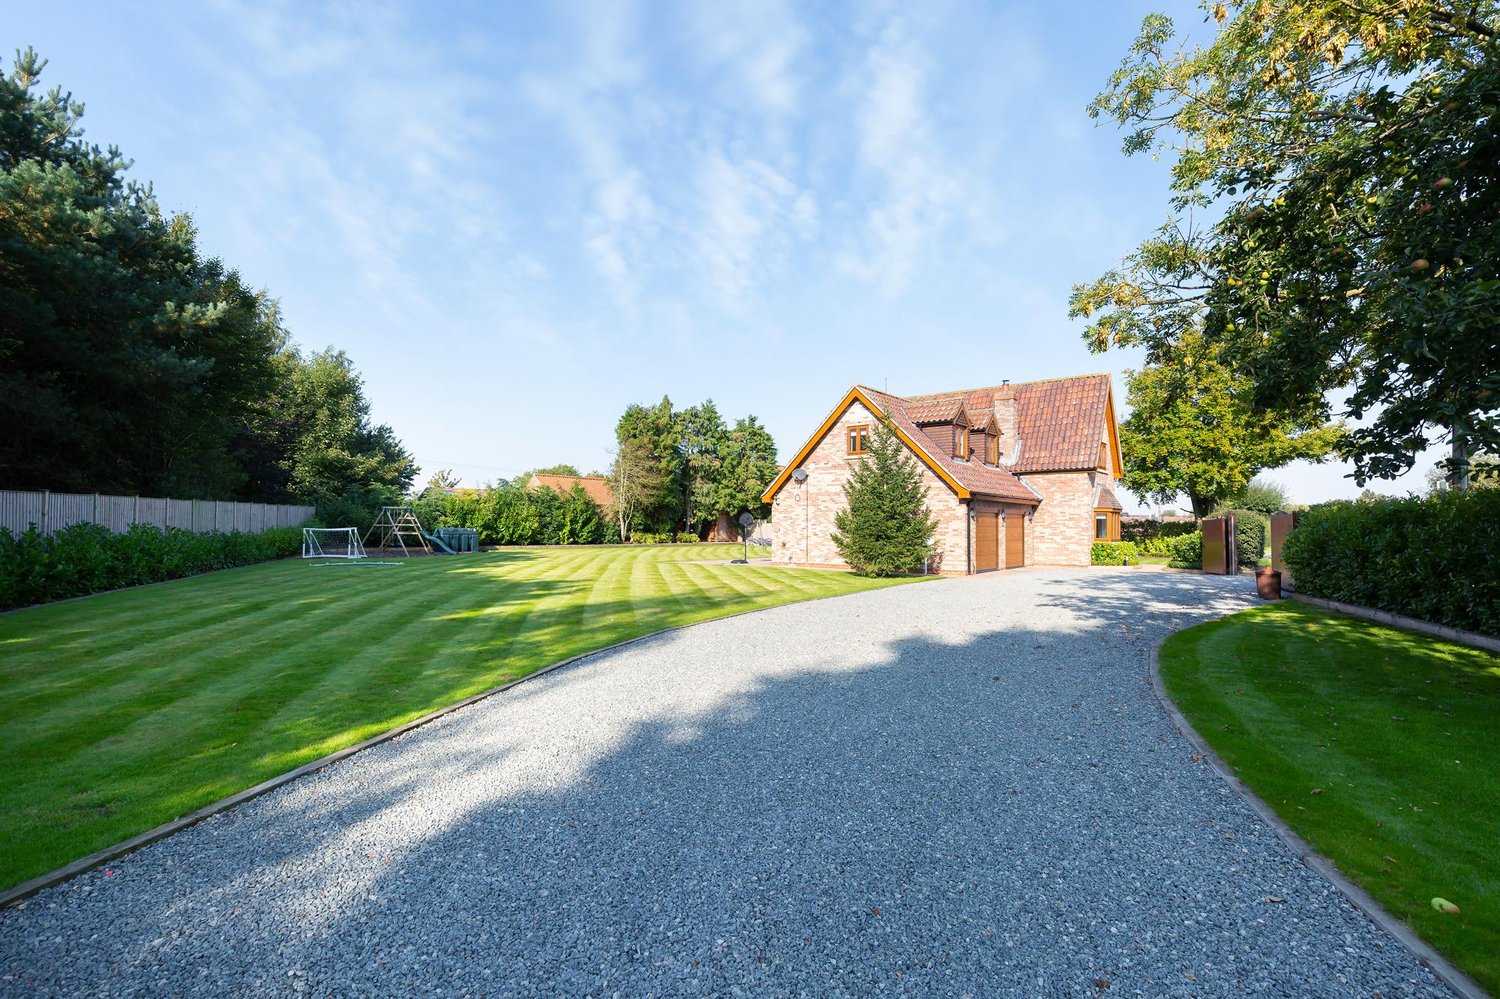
point(597, 486)
point(1016, 475)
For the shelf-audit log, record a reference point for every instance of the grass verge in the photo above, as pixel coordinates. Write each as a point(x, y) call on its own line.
point(1377, 746)
point(124, 710)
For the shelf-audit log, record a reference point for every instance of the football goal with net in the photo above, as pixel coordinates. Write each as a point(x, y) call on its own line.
point(331, 542)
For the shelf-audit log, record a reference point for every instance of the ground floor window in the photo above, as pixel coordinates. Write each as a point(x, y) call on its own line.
point(1106, 525)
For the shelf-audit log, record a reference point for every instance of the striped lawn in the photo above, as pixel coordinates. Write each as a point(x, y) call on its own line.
point(127, 709)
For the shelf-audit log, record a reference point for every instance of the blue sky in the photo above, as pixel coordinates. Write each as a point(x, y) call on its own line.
point(519, 218)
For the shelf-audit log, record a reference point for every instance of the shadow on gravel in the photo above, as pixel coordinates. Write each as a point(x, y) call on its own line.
point(993, 810)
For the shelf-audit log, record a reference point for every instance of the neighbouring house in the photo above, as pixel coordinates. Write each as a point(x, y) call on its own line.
point(1017, 475)
point(597, 486)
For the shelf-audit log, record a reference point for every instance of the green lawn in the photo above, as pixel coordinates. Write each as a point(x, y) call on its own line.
point(124, 710)
point(1379, 747)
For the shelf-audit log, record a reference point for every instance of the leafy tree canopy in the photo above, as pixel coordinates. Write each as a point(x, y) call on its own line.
point(1194, 429)
point(1260, 494)
point(129, 362)
point(563, 469)
point(687, 467)
point(1349, 151)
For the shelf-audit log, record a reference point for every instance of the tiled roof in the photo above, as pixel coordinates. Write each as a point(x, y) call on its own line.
point(977, 477)
point(1059, 421)
point(596, 486)
point(942, 411)
point(1106, 499)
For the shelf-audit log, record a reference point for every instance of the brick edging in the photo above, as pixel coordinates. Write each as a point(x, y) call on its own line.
point(1416, 624)
point(67, 872)
point(1356, 896)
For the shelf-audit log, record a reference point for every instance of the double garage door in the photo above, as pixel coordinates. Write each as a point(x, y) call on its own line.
point(987, 541)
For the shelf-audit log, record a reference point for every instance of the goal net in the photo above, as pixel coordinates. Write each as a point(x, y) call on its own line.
point(331, 542)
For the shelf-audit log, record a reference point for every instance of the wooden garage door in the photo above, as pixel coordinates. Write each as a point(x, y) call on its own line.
point(986, 542)
point(1015, 540)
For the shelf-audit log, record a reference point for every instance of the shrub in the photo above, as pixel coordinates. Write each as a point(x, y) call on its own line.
point(1114, 553)
point(86, 558)
point(1437, 559)
point(1251, 529)
point(1185, 551)
point(1152, 537)
point(681, 538)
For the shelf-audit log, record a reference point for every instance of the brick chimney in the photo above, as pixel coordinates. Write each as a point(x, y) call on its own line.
point(1005, 419)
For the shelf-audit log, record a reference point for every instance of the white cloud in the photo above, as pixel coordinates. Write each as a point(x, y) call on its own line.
point(750, 215)
point(897, 143)
point(591, 98)
point(382, 175)
point(755, 43)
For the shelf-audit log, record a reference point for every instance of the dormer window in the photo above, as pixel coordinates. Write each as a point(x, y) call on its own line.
point(961, 442)
point(1103, 456)
point(992, 449)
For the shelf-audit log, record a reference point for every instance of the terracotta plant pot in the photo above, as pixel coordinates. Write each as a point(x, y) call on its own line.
point(1268, 583)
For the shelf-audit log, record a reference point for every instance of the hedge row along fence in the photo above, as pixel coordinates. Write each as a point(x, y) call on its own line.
point(86, 558)
point(1437, 559)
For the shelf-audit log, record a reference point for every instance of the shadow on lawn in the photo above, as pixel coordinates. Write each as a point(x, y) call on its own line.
point(1001, 809)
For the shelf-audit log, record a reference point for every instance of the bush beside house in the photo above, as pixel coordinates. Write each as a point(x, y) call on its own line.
point(1114, 553)
point(1437, 559)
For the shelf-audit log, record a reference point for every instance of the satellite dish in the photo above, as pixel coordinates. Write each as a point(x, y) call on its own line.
point(747, 520)
point(800, 475)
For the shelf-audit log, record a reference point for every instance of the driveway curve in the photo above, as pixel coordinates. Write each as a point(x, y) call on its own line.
point(963, 787)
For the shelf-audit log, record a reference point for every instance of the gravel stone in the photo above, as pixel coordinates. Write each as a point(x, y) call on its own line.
point(964, 787)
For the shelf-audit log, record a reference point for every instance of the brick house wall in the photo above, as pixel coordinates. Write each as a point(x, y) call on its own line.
point(804, 513)
point(1061, 531)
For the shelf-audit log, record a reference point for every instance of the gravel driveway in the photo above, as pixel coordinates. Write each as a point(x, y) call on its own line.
point(960, 787)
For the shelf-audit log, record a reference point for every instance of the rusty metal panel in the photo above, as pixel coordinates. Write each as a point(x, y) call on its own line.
point(1281, 526)
point(1216, 545)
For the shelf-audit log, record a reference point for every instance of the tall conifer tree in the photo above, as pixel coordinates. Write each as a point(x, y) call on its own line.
point(886, 529)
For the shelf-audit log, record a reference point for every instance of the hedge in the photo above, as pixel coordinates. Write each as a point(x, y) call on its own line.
point(1114, 553)
point(1154, 537)
point(87, 558)
point(1185, 551)
point(1437, 559)
point(1251, 530)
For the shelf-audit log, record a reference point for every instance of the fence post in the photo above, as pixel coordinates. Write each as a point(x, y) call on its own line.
point(135, 518)
point(95, 517)
point(46, 504)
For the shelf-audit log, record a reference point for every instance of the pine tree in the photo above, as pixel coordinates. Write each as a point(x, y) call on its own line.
point(886, 529)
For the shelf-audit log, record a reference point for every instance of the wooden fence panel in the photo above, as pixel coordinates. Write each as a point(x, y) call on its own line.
point(153, 511)
point(180, 514)
point(52, 511)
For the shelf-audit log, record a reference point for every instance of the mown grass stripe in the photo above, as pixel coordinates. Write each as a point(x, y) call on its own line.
point(124, 710)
